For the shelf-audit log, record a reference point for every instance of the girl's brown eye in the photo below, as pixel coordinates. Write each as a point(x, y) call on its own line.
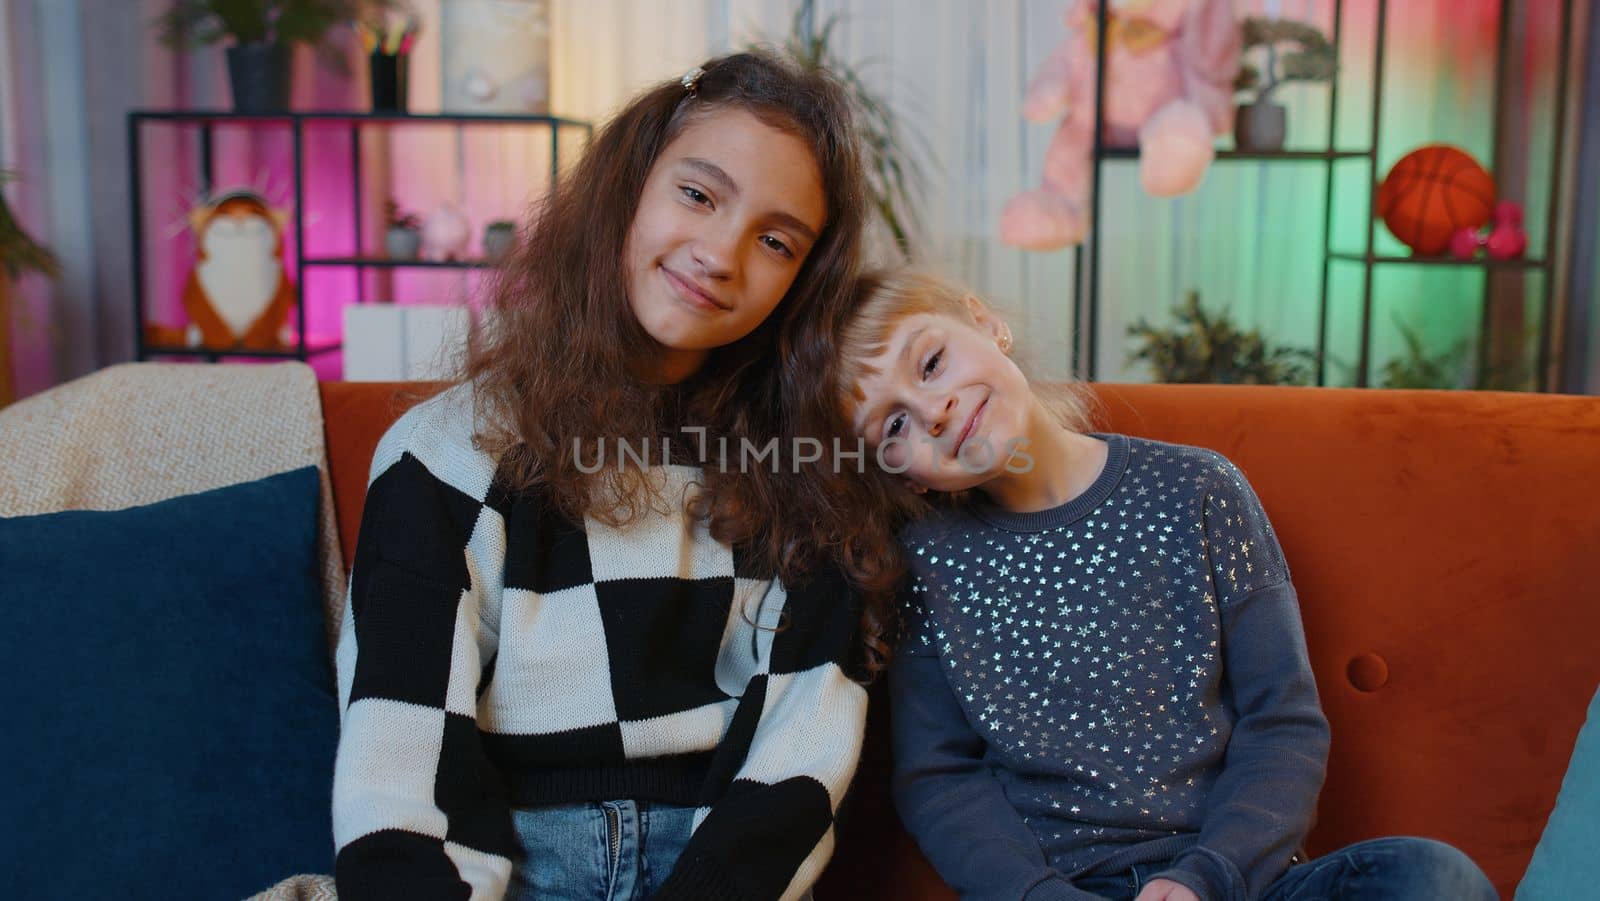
point(777, 245)
point(932, 364)
point(895, 424)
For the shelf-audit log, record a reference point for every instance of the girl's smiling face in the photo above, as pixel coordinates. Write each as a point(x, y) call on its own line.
point(728, 213)
point(943, 403)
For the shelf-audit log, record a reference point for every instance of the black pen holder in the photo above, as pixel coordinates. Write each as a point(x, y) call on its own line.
point(389, 82)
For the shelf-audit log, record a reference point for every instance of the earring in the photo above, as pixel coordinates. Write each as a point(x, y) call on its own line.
point(1005, 343)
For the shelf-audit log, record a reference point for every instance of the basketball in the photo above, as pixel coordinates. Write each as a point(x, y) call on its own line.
point(1432, 193)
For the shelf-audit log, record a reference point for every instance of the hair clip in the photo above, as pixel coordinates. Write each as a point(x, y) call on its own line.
point(691, 80)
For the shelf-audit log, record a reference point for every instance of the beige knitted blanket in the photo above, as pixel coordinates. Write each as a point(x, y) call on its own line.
point(300, 888)
point(144, 432)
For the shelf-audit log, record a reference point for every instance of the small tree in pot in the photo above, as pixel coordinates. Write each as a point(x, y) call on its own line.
point(1261, 124)
point(262, 33)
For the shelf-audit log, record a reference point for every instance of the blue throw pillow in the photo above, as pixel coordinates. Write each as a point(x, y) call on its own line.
point(1564, 864)
point(171, 715)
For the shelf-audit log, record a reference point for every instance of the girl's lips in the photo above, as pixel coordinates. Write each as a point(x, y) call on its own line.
point(691, 292)
point(972, 424)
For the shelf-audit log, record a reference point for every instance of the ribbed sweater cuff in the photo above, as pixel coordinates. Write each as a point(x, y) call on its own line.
point(1208, 874)
point(1055, 887)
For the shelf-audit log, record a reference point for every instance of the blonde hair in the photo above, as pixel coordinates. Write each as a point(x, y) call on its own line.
point(883, 298)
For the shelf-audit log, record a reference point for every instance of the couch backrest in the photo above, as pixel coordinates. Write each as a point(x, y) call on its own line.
point(1444, 546)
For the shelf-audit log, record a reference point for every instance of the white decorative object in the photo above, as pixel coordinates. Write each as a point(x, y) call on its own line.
point(392, 343)
point(445, 234)
point(496, 56)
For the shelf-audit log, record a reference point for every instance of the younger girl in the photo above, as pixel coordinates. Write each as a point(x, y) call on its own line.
point(1103, 689)
point(563, 680)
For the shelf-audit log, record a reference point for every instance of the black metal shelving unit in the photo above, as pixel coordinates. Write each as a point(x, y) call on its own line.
point(297, 123)
point(1086, 306)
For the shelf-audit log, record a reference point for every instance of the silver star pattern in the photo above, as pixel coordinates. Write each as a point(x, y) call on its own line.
point(1086, 654)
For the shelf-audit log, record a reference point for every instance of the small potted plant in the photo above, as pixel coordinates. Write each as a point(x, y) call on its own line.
point(261, 34)
point(499, 237)
point(1293, 51)
point(1208, 348)
point(403, 239)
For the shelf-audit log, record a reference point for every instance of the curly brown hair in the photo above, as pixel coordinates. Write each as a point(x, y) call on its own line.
point(559, 363)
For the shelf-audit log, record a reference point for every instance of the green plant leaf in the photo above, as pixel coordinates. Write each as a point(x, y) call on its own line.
point(1306, 56)
point(891, 148)
point(19, 252)
point(1209, 348)
point(195, 23)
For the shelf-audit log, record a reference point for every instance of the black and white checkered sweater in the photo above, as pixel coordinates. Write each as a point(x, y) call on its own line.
point(495, 655)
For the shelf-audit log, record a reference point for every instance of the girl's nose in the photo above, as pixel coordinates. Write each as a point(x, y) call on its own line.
point(714, 254)
point(939, 414)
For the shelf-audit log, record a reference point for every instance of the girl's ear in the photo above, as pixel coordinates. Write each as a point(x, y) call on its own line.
point(987, 320)
point(977, 309)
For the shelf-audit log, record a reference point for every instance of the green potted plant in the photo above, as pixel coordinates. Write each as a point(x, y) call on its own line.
point(1293, 51)
point(1209, 348)
point(894, 178)
point(499, 237)
point(1455, 367)
point(19, 254)
point(403, 238)
point(1417, 368)
point(261, 34)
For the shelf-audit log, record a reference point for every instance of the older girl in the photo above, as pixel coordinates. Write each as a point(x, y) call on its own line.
point(568, 681)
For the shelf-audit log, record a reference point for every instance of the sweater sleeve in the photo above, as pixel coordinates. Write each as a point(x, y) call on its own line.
point(1260, 808)
point(949, 800)
point(786, 760)
point(418, 809)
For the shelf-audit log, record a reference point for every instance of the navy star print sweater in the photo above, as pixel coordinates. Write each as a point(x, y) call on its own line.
point(1118, 681)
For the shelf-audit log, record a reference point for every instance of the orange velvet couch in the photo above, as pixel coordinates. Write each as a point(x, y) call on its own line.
point(1446, 549)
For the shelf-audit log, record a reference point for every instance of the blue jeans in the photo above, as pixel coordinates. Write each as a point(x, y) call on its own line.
point(1383, 869)
point(597, 851)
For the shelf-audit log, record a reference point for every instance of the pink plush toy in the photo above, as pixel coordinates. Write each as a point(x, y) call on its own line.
point(1169, 87)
